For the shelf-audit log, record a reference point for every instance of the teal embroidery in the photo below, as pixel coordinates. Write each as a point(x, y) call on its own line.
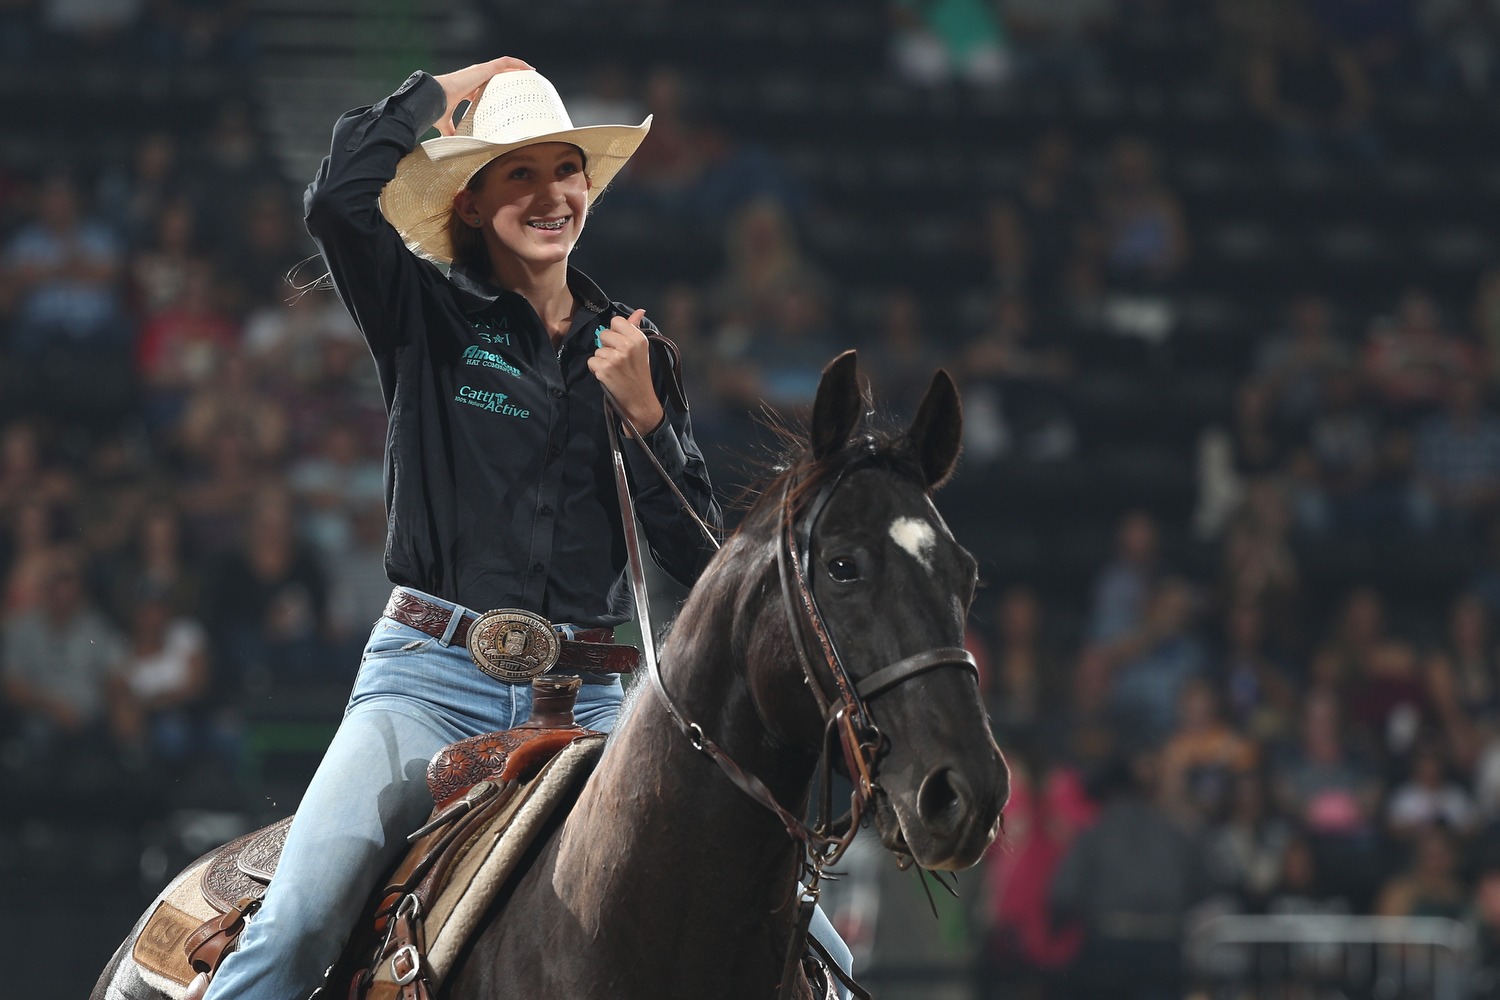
point(475, 355)
point(490, 401)
point(597, 342)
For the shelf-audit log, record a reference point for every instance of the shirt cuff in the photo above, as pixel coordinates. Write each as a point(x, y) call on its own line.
point(419, 101)
point(666, 447)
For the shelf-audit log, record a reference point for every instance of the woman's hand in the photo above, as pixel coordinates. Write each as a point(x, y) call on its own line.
point(623, 365)
point(464, 85)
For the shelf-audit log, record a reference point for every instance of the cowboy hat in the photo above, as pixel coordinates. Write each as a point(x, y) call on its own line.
point(514, 109)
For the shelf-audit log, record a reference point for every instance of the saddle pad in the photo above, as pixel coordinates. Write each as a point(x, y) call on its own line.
point(179, 911)
point(492, 853)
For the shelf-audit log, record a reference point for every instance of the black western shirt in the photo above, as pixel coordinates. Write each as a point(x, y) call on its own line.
point(498, 479)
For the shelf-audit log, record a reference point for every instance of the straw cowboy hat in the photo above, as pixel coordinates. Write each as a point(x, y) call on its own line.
point(515, 109)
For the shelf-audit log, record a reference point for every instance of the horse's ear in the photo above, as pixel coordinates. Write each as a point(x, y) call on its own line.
point(838, 406)
point(937, 432)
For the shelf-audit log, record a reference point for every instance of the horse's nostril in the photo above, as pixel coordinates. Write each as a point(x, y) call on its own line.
point(943, 799)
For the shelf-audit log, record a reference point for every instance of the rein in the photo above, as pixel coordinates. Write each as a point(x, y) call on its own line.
point(844, 710)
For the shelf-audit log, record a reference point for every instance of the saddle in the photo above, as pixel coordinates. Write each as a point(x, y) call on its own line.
point(491, 794)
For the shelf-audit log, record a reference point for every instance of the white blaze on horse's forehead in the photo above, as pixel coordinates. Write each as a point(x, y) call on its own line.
point(917, 537)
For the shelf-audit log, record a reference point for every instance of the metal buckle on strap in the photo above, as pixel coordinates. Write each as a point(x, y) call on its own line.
point(514, 645)
point(409, 953)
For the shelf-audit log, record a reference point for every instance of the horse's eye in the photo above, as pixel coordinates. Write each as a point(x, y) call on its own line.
point(843, 570)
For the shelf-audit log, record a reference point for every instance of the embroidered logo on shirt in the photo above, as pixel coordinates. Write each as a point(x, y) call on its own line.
point(597, 342)
point(489, 400)
point(492, 333)
point(475, 355)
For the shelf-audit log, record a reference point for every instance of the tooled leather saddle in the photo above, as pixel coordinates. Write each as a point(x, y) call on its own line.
point(472, 783)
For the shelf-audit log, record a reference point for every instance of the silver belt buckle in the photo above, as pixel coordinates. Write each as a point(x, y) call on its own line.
point(513, 645)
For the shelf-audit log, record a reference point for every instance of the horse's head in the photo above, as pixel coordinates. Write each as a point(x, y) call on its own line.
point(888, 585)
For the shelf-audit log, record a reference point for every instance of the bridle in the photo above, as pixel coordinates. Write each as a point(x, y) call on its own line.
point(841, 699)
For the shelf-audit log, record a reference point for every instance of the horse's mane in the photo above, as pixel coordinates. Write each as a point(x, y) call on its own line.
point(795, 472)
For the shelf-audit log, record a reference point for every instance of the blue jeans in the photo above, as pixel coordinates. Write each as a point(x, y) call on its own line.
point(413, 696)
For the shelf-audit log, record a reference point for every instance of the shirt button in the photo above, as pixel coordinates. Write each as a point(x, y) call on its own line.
point(544, 510)
point(559, 392)
point(554, 450)
point(538, 566)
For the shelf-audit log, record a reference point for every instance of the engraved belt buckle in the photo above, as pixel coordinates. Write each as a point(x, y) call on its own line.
point(513, 645)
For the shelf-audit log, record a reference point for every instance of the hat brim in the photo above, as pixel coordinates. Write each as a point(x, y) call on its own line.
point(418, 200)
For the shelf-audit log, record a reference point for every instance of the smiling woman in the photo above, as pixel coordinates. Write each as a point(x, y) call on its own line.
point(494, 371)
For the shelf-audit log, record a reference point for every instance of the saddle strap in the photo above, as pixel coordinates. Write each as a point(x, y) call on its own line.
point(216, 938)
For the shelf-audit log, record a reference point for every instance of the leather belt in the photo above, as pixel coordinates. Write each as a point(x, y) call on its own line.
point(592, 652)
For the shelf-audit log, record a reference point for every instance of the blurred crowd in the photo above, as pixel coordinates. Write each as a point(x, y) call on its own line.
point(191, 440)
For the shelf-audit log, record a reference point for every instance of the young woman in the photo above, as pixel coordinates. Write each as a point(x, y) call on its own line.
point(498, 486)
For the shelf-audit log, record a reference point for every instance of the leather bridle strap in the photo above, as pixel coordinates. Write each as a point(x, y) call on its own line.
point(742, 779)
point(888, 677)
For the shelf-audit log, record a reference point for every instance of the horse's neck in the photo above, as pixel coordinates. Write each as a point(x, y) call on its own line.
point(661, 823)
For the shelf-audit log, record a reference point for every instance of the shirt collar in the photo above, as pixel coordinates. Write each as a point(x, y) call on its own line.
point(475, 294)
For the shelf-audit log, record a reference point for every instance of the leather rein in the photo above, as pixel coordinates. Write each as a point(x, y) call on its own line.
point(841, 702)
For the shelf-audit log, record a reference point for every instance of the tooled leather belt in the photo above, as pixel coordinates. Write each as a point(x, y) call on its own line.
point(514, 645)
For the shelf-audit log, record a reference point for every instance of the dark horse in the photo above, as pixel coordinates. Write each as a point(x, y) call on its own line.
point(668, 880)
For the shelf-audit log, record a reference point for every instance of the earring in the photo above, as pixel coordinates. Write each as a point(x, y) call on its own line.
point(475, 222)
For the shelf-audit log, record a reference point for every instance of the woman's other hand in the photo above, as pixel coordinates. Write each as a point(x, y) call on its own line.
point(464, 85)
point(622, 363)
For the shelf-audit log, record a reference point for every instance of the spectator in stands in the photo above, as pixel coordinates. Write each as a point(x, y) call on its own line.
point(28, 472)
point(266, 249)
point(58, 661)
point(1462, 44)
point(1458, 460)
point(331, 484)
point(1057, 41)
point(1205, 757)
point(1463, 678)
point(269, 603)
point(116, 490)
point(1294, 364)
point(1024, 688)
point(1018, 381)
point(1032, 232)
point(1145, 231)
point(133, 196)
point(201, 32)
point(1484, 918)
point(1155, 662)
point(181, 345)
point(937, 42)
point(1329, 789)
point(1314, 94)
point(1257, 448)
point(1389, 701)
point(1345, 440)
point(357, 585)
point(1409, 360)
point(1429, 798)
point(1260, 694)
point(1357, 631)
point(763, 255)
point(1484, 318)
point(60, 278)
point(1122, 587)
point(165, 672)
point(1024, 947)
point(1131, 880)
point(284, 335)
point(159, 561)
point(1430, 886)
point(30, 553)
point(1259, 566)
point(160, 266)
point(905, 348)
point(1303, 889)
point(1382, 34)
point(1246, 851)
point(784, 357)
point(232, 161)
point(609, 95)
point(82, 29)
